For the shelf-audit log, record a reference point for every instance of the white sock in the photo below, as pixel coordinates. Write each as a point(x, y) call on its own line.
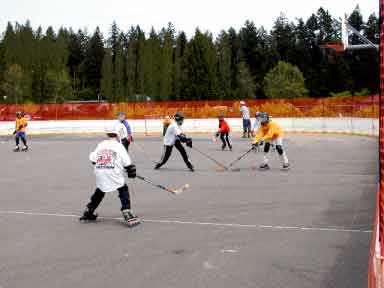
point(265, 161)
point(284, 158)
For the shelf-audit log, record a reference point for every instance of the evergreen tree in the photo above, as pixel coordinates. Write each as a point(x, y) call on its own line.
point(372, 29)
point(326, 27)
point(249, 42)
point(283, 37)
point(92, 64)
point(151, 66)
point(76, 55)
point(234, 43)
point(356, 20)
point(201, 65)
point(224, 65)
point(107, 77)
point(180, 72)
point(166, 62)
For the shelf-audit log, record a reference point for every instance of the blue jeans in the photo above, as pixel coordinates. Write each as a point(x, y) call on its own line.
point(20, 135)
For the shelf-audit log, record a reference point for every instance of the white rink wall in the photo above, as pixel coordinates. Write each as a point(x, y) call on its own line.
point(363, 126)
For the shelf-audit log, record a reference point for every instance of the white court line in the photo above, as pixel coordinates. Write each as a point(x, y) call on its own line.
point(234, 225)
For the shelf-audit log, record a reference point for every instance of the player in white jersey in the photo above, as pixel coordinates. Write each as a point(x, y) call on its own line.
point(125, 130)
point(246, 120)
point(257, 123)
point(174, 137)
point(110, 160)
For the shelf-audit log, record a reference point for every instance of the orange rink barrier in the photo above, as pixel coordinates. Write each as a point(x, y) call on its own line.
point(357, 106)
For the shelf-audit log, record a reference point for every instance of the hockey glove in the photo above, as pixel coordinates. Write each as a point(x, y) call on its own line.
point(182, 138)
point(14, 132)
point(131, 170)
point(21, 127)
point(189, 142)
point(130, 138)
point(217, 134)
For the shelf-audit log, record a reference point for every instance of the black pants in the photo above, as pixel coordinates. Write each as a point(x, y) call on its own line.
point(98, 196)
point(224, 136)
point(125, 143)
point(168, 151)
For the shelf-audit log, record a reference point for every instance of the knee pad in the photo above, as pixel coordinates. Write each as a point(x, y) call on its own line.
point(267, 145)
point(279, 149)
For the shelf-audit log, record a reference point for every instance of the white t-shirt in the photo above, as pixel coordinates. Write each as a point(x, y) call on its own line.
point(245, 111)
point(120, 127)
point(173, 131)
point(110, 157)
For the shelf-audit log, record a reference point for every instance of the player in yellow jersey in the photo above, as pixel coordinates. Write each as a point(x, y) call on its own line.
point(20, 126)
point(270, 133)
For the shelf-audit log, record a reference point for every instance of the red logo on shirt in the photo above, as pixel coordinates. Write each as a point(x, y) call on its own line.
point(106, 159)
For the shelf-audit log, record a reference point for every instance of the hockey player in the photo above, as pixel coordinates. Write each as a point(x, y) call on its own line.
point(166, 122)
point(223, 132)
point(174, 137)
point(246, 120)
point(110, 159)
point(125, 130)
point(270, 133)
point(20, 125)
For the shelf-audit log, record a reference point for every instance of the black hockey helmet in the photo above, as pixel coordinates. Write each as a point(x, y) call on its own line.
point(221, 116)
point(179, 117)
point(19, 114)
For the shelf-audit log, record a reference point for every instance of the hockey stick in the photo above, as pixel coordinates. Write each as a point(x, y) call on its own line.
point(221, 165)
point(238, 159)
point(170, 190)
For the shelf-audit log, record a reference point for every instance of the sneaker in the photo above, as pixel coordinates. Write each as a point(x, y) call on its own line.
point(264, 167)
point(88, 215)
point(286, 166)
point(130, 218)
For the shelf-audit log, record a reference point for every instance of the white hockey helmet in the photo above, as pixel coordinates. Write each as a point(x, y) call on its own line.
point(242, 103)
point(111, 129)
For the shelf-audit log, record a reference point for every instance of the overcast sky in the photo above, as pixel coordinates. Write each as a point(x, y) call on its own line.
point(212, 15)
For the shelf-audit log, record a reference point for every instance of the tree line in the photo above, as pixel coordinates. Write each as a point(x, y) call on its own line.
point(288, 61)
